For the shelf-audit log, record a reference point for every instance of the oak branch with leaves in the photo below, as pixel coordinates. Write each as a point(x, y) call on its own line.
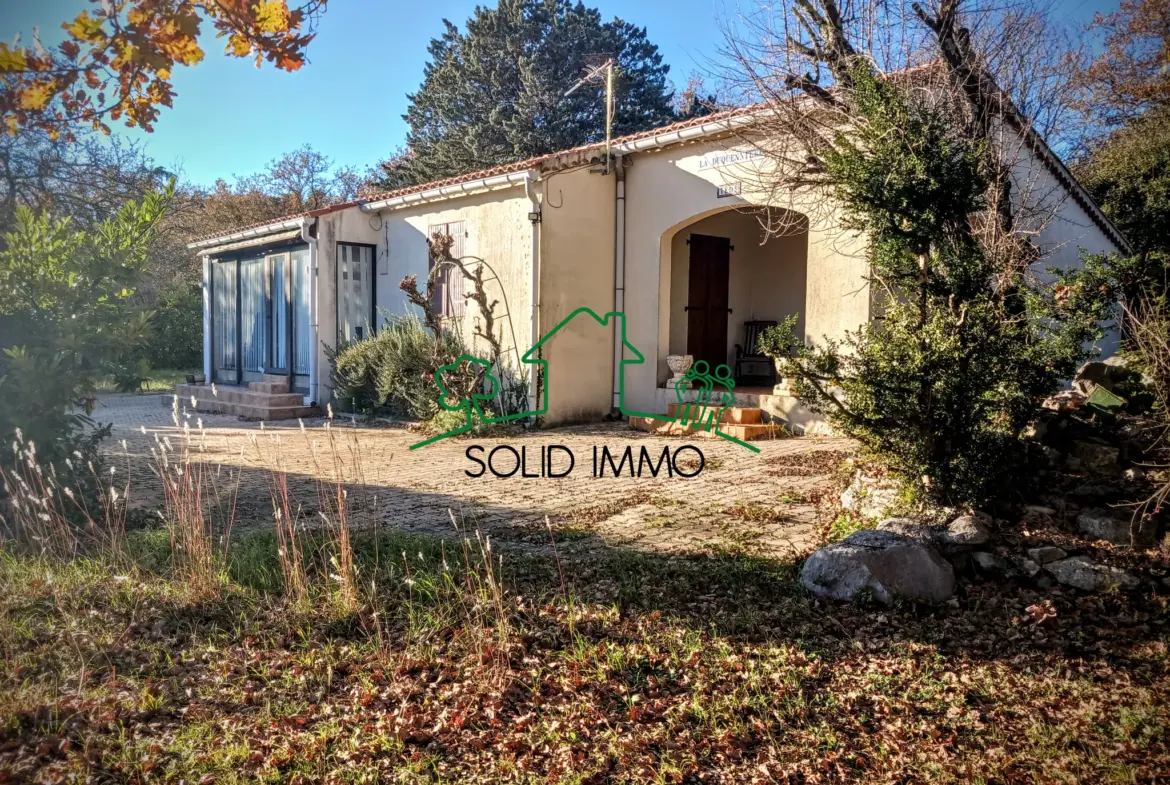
point(117, 59)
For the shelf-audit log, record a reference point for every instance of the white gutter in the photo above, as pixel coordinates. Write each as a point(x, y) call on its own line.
point(534, 217)
point(686, 134)
point(207, 318)
point(306, 225)
point(244, 234)
point(619, 276)
point(449, 191)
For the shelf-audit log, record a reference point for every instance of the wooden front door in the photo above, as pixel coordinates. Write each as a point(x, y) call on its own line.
point(707, 299)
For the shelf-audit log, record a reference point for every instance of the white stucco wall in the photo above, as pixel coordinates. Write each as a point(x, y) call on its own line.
point(671, 189)
point(1060, 226)
point(497, 231)
point(577, 271)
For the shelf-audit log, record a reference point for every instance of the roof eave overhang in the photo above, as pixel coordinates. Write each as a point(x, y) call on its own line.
point(254, 242)
point(713, 128)
point(451, 191)
point(252, 233)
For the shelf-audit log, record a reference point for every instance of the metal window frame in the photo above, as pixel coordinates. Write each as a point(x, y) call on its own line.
point(265, 251)
point(373, 284)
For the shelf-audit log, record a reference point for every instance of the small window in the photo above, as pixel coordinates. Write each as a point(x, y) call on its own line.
point(448, 299)
point(355, 296)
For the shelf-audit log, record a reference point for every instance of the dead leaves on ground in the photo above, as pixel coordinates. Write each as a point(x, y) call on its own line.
point(1013, 687)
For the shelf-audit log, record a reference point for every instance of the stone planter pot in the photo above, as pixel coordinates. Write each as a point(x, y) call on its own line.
point(678, 364)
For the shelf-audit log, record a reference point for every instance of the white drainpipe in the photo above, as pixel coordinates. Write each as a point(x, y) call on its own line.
point(534, 217)
point(619, 276)
point(306, 225)
point(207, 318)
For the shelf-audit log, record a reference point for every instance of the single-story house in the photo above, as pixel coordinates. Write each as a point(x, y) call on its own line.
point(670, 233)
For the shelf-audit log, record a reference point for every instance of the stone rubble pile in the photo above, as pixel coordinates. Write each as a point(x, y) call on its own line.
point(908, 559)
point(1089, 461)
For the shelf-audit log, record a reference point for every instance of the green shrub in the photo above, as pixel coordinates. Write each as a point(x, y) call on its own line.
point(445, 421)
point(176, 329)
point(939, 388)
point(67, 320)
point(392, 372)
point(780, 340)
point(129, 375)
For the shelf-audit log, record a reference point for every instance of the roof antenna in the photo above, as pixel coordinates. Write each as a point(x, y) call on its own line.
point(594, 74)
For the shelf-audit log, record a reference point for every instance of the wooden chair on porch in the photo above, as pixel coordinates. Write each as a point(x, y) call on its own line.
point(747, 352)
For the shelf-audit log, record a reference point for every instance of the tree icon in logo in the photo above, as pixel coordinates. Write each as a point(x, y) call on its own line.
point(466, 389)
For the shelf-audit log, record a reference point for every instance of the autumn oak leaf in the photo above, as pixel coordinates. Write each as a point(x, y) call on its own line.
point(272, 16)
point(85, 28)
point(35, 97)
point(12, 59)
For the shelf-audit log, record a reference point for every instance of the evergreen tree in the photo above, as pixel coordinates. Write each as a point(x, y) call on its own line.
point(940, 388)
point(495, 93)
point(1128, 174)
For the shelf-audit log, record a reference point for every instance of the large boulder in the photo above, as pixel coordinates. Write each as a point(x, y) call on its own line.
point(1101, 525)
point(1080, 573)
point(961, 534)
point(884, 563)
point(908, 527)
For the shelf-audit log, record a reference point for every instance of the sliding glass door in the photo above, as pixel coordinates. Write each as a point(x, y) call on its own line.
point(279, 325)
point(253, 310)
point(224, 347)
point(261, 317)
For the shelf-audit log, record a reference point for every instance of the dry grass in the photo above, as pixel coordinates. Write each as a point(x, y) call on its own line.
point(458, 668)
point(451, 660)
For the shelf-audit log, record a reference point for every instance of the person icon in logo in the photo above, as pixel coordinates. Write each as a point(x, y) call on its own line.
point(699, 413)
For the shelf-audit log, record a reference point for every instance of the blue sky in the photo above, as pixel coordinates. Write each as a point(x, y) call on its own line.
point(230, 118)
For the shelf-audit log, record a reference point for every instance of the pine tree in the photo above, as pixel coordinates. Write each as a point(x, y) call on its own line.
point(495, 93)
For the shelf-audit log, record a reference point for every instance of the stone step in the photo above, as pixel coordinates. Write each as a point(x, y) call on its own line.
point(238, 402)
point(741, 415)
point(744, 432)
point(239, 395)
point(270, 385)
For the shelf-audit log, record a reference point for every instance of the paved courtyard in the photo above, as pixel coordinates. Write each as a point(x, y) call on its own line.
point(763, 504)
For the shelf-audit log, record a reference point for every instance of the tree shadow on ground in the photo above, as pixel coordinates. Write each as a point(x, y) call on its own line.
point(749, 598)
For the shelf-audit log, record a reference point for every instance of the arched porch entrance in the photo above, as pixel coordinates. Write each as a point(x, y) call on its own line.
point(724, 273)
